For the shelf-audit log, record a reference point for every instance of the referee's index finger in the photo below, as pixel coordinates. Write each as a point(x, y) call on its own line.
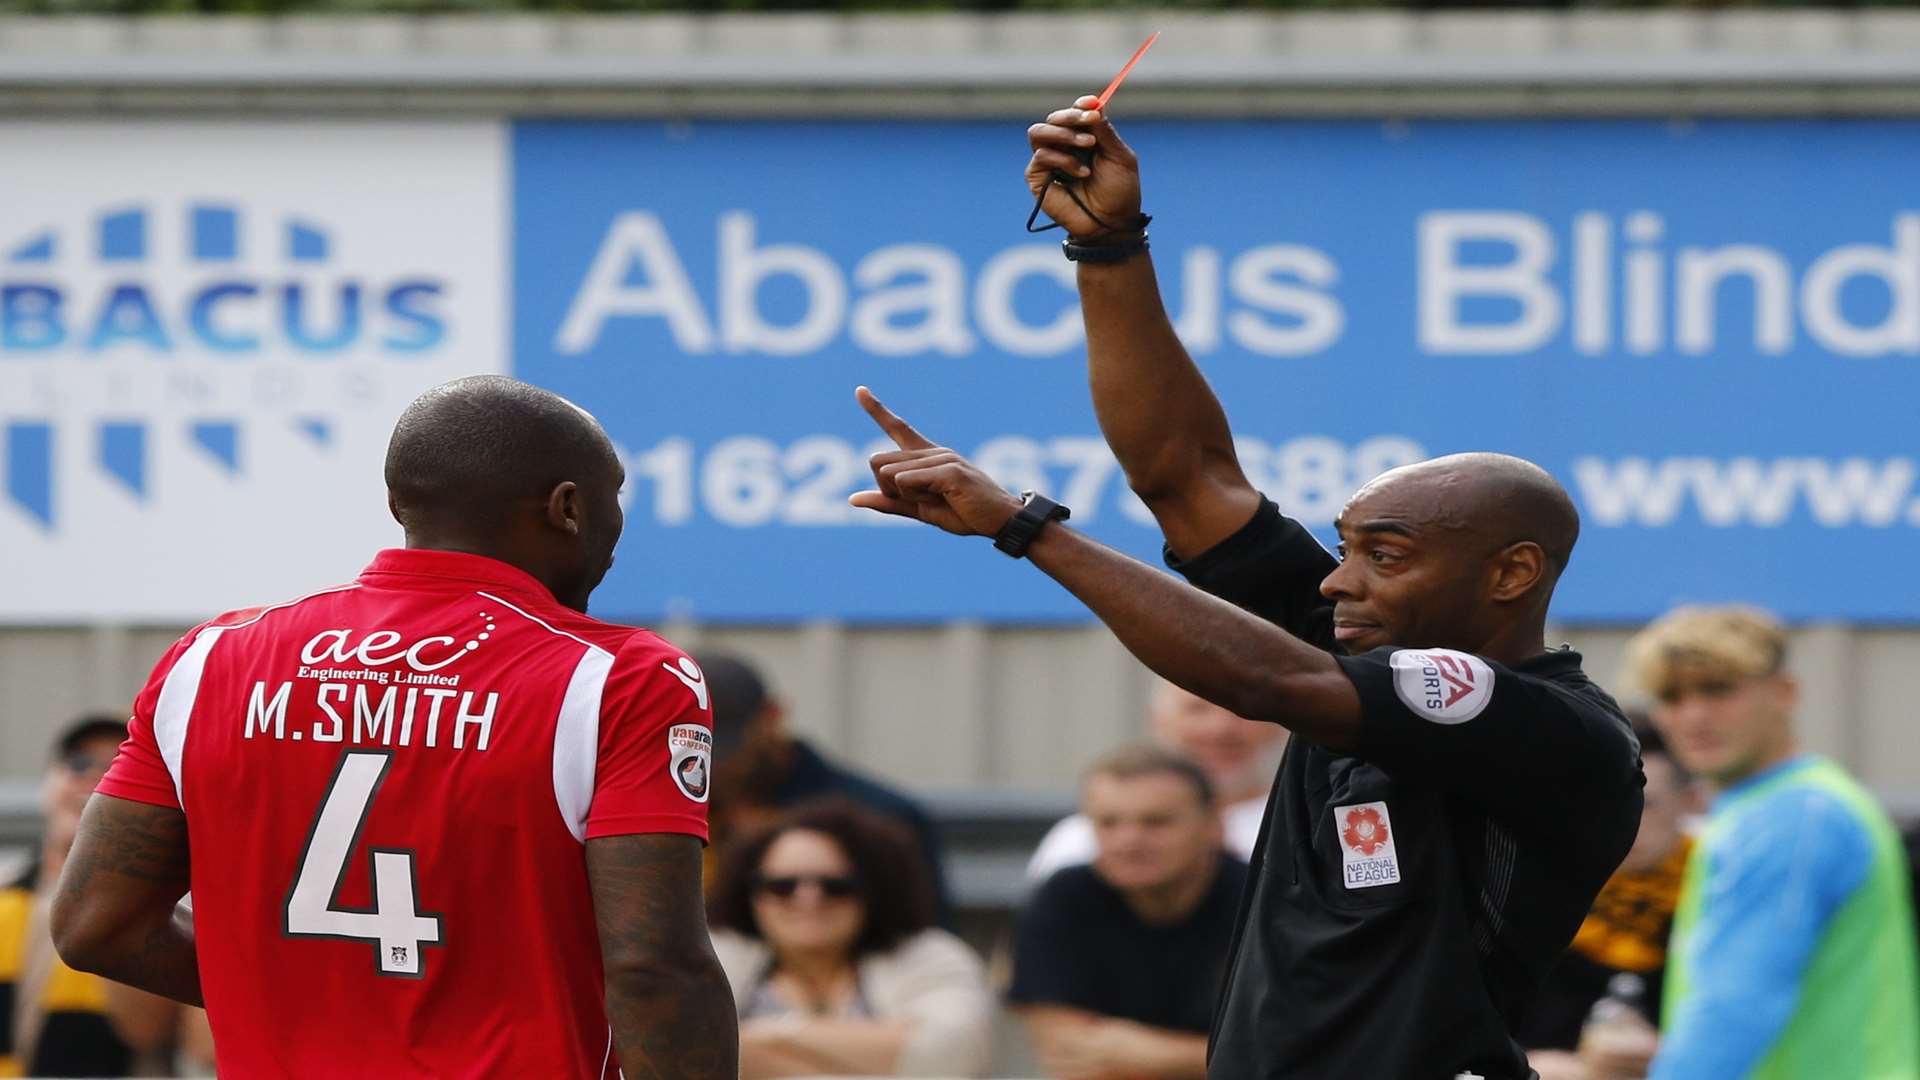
point(898, 430)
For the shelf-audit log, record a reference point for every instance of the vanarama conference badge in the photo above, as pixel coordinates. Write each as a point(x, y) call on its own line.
point(692, 748)
point(1367, 856)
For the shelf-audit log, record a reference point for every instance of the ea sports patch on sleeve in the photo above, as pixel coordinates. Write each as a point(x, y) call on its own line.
point(1367, 856)
point(1442, 685)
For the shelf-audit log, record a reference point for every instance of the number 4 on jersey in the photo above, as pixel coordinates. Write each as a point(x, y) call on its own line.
point(395, 926)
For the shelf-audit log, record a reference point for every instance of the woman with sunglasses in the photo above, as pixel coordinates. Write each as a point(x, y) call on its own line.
point(824, 922)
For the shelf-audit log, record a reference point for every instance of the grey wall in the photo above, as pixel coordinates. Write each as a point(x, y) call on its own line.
point(970, 706)
point(1380, 63)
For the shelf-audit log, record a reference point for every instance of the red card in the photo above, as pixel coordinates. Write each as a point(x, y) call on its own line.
point(1122, 77)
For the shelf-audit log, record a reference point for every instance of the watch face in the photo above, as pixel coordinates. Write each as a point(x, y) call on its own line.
point(1044, 509)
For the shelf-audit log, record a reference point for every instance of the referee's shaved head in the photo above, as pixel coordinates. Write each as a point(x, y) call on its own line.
point(1460, 551)
point(1504, 498)
point(494, 466)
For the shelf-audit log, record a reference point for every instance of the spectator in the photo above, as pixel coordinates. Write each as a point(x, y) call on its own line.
point(1793, 947)
point(1912, 839)
point(1626, 934)
point(62, 1022)
point(824, 923)
point(1117, 965)
point(761, 769)
point(1239, 756)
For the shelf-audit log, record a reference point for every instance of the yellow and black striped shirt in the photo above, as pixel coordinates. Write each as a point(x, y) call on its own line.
point(76, 1039)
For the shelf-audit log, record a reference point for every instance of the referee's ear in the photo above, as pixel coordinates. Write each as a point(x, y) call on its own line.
point(1517, 570)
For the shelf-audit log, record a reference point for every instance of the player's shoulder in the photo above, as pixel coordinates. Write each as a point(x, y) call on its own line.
point(560, 622)
point(275, 613)
point(628, 644)
point(642, 663)
point(257, 618)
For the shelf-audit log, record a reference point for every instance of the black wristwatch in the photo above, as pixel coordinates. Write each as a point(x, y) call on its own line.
point(1035, 511)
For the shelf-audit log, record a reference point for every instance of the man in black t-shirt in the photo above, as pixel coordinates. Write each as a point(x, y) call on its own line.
point(1455, 793)
point(1116, 964)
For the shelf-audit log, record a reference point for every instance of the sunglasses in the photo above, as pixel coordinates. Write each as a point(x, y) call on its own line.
point(82, 764)
point(833, 888)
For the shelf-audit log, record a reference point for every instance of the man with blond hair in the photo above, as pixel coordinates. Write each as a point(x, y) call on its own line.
point(1793, 949)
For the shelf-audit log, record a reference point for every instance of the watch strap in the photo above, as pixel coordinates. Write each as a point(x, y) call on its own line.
point(1035, 512)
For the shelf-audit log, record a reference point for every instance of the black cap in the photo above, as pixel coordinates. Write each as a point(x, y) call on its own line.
point(738, 693)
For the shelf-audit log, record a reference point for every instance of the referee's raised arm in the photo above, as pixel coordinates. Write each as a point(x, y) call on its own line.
point(1158, 414)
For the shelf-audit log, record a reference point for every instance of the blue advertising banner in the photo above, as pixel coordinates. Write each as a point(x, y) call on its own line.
point(1710, 333)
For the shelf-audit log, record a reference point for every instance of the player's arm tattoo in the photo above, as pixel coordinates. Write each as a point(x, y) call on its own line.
point(669, 1002)
point(115, 911)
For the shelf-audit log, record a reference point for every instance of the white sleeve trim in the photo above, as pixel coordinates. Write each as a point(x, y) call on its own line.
point(181, 688)
point(174, 708)
point(576, 739)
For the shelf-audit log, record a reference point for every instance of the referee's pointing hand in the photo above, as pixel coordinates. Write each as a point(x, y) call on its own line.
point(1109, 185)
point(930, 483)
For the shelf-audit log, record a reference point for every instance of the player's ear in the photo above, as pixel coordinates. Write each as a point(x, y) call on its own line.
point(563, 507)
point(1517, 569)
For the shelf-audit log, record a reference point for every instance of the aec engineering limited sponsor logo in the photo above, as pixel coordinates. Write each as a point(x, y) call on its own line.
point(224, 295)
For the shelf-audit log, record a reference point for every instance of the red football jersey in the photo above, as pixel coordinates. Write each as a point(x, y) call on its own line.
point(388, 786)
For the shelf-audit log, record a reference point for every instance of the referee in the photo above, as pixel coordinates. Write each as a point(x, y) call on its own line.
point(1455, 793)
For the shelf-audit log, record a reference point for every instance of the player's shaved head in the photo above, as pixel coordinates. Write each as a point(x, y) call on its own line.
point(1460, 551)
point(473, 448)
point(493, 466)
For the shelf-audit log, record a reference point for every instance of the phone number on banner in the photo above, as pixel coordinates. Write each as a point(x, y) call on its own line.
point(750, 482)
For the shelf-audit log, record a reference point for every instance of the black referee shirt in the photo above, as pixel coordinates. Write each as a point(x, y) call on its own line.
point(1408, 899)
